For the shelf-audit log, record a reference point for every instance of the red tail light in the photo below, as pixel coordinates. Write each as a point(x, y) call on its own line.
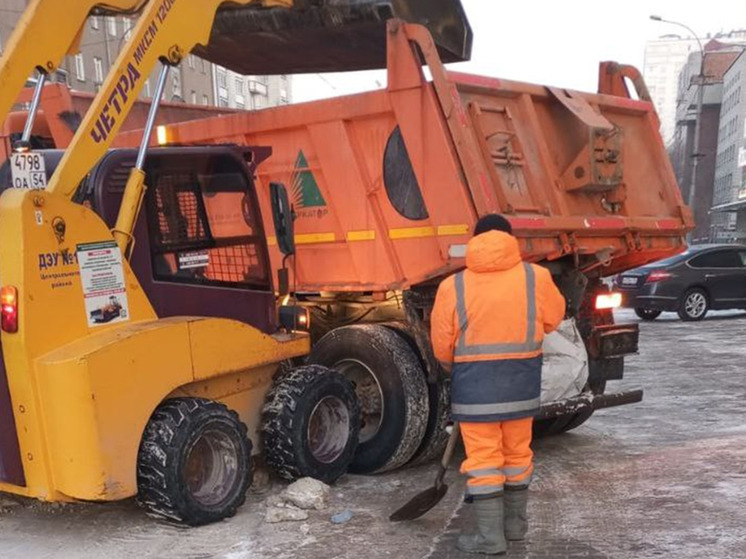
point(9, 304)
point(658, 275)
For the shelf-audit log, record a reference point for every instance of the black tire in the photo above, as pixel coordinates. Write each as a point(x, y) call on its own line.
point(565, 423)
point(184, 438)
point(439, 408)
point(647, 314)
point(391, 390)
point(310, 424)
point(694, 305)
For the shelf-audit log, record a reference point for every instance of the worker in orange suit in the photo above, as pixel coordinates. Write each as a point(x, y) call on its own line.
point(488, 324)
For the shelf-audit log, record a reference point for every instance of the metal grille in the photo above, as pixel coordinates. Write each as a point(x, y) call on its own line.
point(236, 264)
point(180, 213)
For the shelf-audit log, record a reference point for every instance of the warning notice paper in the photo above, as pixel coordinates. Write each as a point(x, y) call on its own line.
point(102, 276)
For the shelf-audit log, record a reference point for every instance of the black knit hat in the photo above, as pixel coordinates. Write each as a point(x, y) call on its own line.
point(493, 222)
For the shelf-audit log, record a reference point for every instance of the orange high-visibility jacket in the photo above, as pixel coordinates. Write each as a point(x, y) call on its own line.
point(488, 324)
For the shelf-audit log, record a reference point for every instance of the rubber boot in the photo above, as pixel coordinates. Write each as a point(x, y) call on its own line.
point(516, 516)
point(490, 536)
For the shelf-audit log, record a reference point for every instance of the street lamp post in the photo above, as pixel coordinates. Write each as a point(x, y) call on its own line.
point(698, 115)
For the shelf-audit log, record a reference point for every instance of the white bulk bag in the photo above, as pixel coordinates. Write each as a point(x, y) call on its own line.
point(565, 367)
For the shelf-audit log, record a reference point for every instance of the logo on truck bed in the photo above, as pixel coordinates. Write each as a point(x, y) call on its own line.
point(305, 191)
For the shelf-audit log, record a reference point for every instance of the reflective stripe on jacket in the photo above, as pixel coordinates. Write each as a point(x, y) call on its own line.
point(489, 322)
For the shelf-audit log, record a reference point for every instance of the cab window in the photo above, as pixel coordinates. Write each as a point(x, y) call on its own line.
point(205, 228)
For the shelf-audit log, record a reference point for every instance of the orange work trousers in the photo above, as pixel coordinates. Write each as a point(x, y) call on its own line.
point(497, 455)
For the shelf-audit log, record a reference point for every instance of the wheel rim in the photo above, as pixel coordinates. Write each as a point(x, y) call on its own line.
point(328, 429)
point(211, 469)
point(369, 394)
point(695, 305)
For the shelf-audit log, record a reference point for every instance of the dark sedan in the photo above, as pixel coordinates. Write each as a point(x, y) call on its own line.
point(704, 277)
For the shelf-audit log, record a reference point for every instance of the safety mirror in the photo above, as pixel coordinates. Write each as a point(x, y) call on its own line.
point(284, 218)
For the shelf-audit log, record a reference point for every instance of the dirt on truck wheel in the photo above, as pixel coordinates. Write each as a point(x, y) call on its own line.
point(194, 464)
point(310, 424)
point(435, 439)
point(391, 389)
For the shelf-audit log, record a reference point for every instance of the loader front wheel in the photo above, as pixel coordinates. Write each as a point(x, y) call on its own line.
point(194, 464)
point(310, 424)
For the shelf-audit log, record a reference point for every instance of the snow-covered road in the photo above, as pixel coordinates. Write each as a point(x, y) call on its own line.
point(665, 478)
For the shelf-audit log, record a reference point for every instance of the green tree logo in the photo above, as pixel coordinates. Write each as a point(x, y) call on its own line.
point(303, 186)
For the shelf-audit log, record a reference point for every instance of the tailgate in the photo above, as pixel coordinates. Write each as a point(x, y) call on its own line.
point(589, 166)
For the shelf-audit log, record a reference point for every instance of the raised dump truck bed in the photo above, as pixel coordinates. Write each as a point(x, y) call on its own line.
point(388, 184)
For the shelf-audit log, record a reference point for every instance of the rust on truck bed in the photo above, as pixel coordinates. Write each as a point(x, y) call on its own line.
point(388, 184)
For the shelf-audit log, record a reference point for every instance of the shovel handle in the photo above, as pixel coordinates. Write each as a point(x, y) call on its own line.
point(448, 454)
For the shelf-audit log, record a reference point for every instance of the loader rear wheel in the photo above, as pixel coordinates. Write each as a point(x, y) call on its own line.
point(390, 386)
point(194, 464)
point(310, 424)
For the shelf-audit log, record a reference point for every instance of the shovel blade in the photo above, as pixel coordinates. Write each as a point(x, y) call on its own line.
point(420, 504)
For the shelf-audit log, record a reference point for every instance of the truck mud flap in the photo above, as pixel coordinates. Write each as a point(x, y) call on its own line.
point(614, 340)
point(588, 401)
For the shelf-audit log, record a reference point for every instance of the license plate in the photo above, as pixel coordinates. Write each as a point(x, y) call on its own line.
point(629, 281)
point(28, 171)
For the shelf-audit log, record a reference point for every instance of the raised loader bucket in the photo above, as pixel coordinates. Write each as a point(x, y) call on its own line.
point(329, 35)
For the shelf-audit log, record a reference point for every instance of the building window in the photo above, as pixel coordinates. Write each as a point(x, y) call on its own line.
point(203, 63)
point(222, 102)
point(127, 26)
point(80, 67)
point(176, 82)
point(193, 98)
point(95, 22)
point(191, 61)
point(239, 84)
point(112, 25)
point(222, 78)
point(205, 100)
point(98, 69)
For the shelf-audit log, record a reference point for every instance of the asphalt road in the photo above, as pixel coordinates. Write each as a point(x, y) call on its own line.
point(665, 478)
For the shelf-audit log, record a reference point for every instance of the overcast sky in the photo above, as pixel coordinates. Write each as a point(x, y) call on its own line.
point(555, 42)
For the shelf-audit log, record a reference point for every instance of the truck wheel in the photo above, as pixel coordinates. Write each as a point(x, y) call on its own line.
point(194, 463)
point(438, 396)
point(310, 424)
point(436, 437)
point(390, 386)
point(694, 305)
point(647, 314)
point(565, 423)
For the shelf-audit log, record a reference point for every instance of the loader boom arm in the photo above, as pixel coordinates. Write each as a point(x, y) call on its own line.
point(166, 31)
point(46, 32)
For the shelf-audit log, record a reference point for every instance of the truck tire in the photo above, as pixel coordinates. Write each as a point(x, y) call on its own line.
point(310, 424)
point(565, 423)
point(439, 408)
point(391, 389)
point(436, 437)
point(194, 463)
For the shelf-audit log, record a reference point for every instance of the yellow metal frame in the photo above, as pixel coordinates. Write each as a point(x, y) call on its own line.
point(83, 394)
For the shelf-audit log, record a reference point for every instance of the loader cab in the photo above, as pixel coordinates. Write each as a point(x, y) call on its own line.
point(200, 246)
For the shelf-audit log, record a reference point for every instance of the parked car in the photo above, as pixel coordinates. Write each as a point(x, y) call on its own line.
point(702, 278)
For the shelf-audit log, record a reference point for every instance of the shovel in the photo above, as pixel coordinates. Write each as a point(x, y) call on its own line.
point(423, 502)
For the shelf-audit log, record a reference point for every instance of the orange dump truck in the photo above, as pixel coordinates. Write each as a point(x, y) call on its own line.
point(387, 186)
